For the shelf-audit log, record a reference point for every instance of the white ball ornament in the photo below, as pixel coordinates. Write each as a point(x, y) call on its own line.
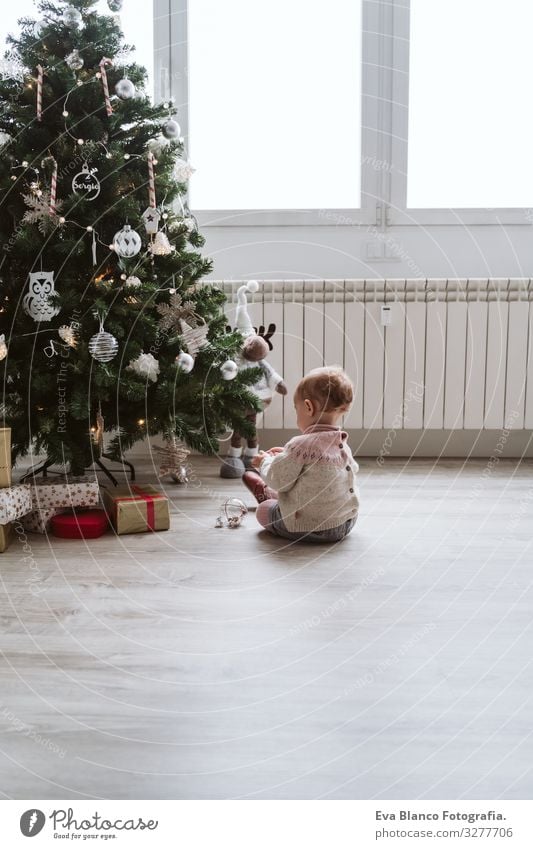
point(132, 282)
point(74, 61)
point(125, 89)
point(72, 17)
point(103, 347)
point(172, 129)
point(185, 362)
point(252, 286)
point(229, 370)
point(127, 243)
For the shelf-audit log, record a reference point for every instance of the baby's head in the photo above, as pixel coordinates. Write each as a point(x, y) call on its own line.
point(323, 396)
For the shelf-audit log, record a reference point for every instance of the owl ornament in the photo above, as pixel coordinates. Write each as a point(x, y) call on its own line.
point(36, 303)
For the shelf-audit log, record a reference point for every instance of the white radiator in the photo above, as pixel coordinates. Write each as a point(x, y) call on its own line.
point(456, 355)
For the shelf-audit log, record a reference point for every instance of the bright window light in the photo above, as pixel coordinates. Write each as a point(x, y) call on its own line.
point(275, 104)
point(470, 116)
point(137, 18)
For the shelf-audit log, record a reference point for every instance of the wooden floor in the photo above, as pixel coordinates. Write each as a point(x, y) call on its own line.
point(205, 663)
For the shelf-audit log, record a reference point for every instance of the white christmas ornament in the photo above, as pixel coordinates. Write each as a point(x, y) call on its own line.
point(183, 170)
point(229, 370)
point(11, 68)
point(86, 184)
point(103, 346)
point(151, 218)
point(5, 138)
point(172, 129)
point(38, 28)
point(36, 303)
point(190, 223)
point(145, 366)
point(157, 145)
point(72, 17)
point(127, 242)
point(68, 335)
point(132, 282)
point(125, 89)
point(74, 61)
point(3, 347)
point(161, 245)
point(185, 362)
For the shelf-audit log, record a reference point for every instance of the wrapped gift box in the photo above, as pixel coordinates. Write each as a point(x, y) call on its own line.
point(6, 532)
point(137, 509)
point(38, 521)
point(56, 495)
point(15, 502)
point(5, 456)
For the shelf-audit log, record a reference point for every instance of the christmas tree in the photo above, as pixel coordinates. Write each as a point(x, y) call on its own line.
point(107, 324)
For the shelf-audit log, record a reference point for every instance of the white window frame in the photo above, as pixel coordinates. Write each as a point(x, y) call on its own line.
point(384, 137)
point(172, 80)
point(398, 214)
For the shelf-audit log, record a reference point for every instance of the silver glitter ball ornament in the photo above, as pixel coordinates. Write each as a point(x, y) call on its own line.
point(72, 17)
point(74, 61)
point(125, 89)
point(115, 5)
point(103, 347)
point(229, 370)
point(172, 129)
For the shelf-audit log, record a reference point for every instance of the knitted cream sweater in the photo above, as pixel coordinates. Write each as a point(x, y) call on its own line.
point(315, 478)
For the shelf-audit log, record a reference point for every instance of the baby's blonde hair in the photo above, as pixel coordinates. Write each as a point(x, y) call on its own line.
point(329, 387)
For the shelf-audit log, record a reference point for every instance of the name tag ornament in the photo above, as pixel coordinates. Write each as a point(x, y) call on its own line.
point(86, 184)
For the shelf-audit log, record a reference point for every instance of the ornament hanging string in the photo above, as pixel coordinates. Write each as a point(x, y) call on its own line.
point(151, 180)
point(40, 74)
point(105, 84)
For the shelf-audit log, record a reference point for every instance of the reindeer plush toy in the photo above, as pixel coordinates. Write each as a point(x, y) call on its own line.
point(255, 349)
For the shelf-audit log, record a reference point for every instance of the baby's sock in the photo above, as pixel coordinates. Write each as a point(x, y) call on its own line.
point(234, 452)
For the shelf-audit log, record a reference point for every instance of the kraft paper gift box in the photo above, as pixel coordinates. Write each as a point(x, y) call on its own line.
point(55, 495)
point(6, 532)
point(15, 502)
point(137, 509)
point(5, 456)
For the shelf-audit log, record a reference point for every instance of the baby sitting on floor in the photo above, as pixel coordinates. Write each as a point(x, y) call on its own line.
point(307, 490)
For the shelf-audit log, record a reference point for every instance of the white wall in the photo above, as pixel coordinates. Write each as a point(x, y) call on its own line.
point(340, 252)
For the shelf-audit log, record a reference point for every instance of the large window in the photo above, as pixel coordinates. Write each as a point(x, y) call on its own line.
point(275, 104)
point(399, 112)
point(470, 116)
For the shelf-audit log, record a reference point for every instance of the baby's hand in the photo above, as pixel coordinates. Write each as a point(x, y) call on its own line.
point(276, 450)
point(257, 460)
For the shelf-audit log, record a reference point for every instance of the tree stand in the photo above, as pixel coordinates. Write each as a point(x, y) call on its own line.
point(42, 469)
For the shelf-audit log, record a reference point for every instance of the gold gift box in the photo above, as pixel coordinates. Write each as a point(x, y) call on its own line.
point(137, 509)
point(5, 457)
point(6, 533)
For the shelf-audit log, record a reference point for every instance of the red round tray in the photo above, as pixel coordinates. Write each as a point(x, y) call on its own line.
point(80, 524)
